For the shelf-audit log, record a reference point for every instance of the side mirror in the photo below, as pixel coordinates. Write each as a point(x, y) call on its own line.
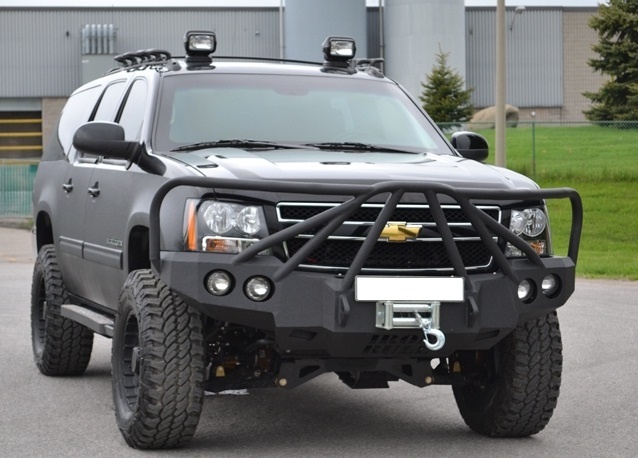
point(104, 139)
point(470, 145)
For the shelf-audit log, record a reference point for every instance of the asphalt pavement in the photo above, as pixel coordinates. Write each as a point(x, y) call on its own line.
point(73, 416)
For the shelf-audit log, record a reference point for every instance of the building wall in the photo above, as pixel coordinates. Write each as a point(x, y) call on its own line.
point(579, 77)
point(534, 57)
point(415, 32)
point(309, 22)
point(43, 50)
point(51, 109)
point(48, 61)
point(547, 53)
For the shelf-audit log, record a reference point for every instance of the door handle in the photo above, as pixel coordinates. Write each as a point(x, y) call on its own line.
point(68, 186)
point(95, 190)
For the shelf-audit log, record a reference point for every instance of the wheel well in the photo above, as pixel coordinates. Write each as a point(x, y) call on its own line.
point(138, 254)
point(44, 230)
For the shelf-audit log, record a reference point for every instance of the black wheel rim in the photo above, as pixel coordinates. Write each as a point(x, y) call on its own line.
point(131, 361)
point(482, 390)
point(38, 318)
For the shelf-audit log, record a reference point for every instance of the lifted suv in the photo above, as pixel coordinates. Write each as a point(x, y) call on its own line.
point(242, 225)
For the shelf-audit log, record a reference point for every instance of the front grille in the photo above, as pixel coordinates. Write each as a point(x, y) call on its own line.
point(408, 255)
point(424, 253)
point(369, 212)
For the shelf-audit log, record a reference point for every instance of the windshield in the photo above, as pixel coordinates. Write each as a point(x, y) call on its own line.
point(292, 110)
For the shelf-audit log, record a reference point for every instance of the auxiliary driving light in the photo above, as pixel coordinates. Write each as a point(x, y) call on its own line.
point(550, 285)
point(200, 42)
point(525, 290)
point(219, 283)
point(258, 288)
point(339, 49)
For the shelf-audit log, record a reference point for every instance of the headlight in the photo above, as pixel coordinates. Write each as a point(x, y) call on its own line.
point(222, 227)
point(531, 224)
point(219, 217)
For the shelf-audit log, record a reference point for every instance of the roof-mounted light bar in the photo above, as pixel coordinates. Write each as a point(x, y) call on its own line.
point(199, 45)
point(142, 57)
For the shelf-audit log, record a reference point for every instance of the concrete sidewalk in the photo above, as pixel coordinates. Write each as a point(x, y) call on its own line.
point(16, 246)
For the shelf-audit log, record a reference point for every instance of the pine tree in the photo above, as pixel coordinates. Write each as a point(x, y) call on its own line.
point(617, 27)
point(444, 95)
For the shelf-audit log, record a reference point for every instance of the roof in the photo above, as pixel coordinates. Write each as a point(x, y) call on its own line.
point(259, 3)
point(540, 3)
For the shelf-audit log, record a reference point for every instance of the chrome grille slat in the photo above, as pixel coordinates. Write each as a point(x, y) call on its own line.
point(420, 254)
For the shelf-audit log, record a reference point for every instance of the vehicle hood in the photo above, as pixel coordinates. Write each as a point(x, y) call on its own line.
point(304, 166)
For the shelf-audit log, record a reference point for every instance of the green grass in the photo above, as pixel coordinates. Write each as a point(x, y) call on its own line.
point(601, 163)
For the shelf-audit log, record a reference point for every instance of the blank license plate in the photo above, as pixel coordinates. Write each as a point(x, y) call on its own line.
point(442, 289)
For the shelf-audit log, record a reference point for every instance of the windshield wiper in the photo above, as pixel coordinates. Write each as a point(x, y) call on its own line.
point(236, 143)
point(357, 146)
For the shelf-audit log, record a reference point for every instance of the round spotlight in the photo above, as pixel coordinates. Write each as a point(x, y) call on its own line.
point(550, 285)
point(258, 289)
point(219, 283)
point(525, 290)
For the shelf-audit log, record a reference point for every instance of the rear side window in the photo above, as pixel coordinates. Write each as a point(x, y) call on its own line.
point(75, 113)
point(132, 115)
point(109, 102)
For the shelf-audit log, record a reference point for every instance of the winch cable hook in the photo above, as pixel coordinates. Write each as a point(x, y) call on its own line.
point(428, 331)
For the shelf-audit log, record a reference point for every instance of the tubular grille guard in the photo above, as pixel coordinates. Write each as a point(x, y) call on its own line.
point(335, 216)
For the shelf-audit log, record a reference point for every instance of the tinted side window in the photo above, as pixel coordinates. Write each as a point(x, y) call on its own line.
point(75, 113)
point(132, 114)
point(109, 101)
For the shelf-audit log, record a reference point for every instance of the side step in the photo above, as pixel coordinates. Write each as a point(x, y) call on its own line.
point(95, 321)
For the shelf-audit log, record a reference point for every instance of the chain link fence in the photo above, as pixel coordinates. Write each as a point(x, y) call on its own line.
point(16, 186)
point(565, 150)
point(550, 150)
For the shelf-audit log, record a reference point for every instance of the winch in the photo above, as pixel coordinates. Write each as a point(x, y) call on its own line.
point(406, 315)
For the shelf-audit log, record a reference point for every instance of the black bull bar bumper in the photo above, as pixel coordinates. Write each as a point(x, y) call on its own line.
point(490, 305)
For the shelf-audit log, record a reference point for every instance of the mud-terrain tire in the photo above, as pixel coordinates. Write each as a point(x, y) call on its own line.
point(60, 346)
point(158, 365)
point(516, 394)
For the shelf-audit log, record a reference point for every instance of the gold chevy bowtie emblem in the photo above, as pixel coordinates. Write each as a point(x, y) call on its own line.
point(400, 232)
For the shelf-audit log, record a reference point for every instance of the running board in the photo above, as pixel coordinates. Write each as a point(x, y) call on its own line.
point(95, 321)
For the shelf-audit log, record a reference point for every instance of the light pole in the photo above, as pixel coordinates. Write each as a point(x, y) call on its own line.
point(499, 123)
point(533, 144)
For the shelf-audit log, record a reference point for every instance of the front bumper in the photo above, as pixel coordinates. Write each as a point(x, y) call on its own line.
point(311, 315)
point(317, 324)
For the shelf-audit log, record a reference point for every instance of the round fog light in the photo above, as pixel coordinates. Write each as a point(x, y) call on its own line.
point(525, 290)
point(219, 283)
point(550, 285)
point(258, 288)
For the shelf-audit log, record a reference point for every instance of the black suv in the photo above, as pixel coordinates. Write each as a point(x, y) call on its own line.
point(236, 225)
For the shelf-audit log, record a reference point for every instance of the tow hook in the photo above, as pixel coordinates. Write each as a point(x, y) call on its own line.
point(429, 331)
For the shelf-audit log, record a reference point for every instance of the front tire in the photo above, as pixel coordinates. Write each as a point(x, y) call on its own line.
point(517, 388)
point(158, 365)
point(60, 346)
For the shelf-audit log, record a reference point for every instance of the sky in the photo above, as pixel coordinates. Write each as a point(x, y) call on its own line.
point(260, 3)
